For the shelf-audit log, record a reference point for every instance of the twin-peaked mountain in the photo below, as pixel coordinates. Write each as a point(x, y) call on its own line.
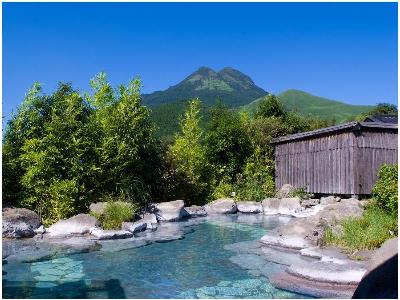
point(232, 86)
point(237, 91)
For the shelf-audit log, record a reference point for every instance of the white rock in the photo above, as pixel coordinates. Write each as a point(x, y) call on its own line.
point(221, 206)
point(249, 207)
point(289, 206)
point(170, 211)
point(134, 226)
point(271, 206)
point(110, 234)
point(40, 230)
point(150, 220)
point(350, 273)
point(292, 242)
point(285, 191)
point(195, 211)
point(79, 224)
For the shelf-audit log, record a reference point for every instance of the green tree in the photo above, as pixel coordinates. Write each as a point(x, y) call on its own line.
point(58, 170)
point(188, 155)
point(129, 153)
point(270, 106)
point(227, 142)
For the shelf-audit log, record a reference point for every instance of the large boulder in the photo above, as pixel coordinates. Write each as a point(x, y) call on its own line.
point(305, 232)
point(221, 206)
point(101, 234)
point(251, 207)
point(134, 226)
point(271, 206)
point(286, 191)
point(289, 206)
point(169, 211)
point(195, 211)
point(381, 279)
point(19, 223)
point(79, 224)
point(329, 200)
point(150, 220)
point(284, 206)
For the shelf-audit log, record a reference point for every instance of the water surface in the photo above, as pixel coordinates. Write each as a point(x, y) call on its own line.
point(198, 264)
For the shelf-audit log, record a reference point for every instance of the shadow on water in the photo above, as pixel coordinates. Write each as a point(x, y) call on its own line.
point(74, 290)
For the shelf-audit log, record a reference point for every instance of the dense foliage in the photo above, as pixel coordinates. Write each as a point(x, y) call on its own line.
point(65, 150)
point(385, 189)
point(367, 232)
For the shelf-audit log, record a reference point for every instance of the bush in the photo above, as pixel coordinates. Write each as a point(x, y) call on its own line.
point(256, 182)
point(385, 189)
point(115, 213)
point(367, 232)
point(223, 190)
point(301, 193)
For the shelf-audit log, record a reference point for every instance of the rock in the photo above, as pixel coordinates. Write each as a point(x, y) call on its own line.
point(284, 206)
point(249, 207)
point(309, 203)
point(195, 211)
point(289, 206)
point(349, 273)
point(40, 230)
point(169, 211)
point(150, 220)
point(287, 241)
point(329, 200)
point(381, 279)
point(110, 234)
point(221, 206)
point(302, 232)
point(289, 282)
point(79, 224)
point(19, 223)
point(285, 191)
point(270, 206)
point(134, 226)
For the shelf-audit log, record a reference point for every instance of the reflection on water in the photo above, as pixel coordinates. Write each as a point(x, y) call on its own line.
point(191, 262)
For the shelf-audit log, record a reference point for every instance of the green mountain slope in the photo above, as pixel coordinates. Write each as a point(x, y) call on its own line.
point(308, 104)
point(234, 87)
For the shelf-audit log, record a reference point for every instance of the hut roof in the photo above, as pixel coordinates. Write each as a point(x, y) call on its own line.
point(382, 118)
point(341, 127)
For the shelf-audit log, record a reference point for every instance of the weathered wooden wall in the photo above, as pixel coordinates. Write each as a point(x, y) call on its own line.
point(338, 163)
point(374, 148)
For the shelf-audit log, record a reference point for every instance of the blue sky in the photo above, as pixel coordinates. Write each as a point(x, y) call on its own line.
point(342, 51)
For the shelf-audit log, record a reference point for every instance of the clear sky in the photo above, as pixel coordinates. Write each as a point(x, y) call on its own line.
point(342, 51)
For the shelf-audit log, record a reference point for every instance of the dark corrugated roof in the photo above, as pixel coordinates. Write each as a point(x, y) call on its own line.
point(340, 127)
point(392, 119)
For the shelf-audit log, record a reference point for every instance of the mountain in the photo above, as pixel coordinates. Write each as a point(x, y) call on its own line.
point(308, 104)
point(232, 86)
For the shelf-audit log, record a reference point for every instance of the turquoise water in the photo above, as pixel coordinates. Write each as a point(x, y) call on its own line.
point(197, 265)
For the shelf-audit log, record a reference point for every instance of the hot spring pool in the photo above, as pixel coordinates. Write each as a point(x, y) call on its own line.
point(200, 263)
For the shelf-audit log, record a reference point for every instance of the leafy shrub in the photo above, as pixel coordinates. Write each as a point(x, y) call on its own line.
point(385, 189)
point(301, 193)
point(223, 190)
point(256, 182)
point(115, 213)
point(367, 232)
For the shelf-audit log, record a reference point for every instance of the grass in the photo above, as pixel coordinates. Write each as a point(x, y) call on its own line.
point(368, 232)
point(115, 213)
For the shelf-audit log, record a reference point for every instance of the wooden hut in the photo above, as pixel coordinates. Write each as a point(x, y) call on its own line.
point(342, 159)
